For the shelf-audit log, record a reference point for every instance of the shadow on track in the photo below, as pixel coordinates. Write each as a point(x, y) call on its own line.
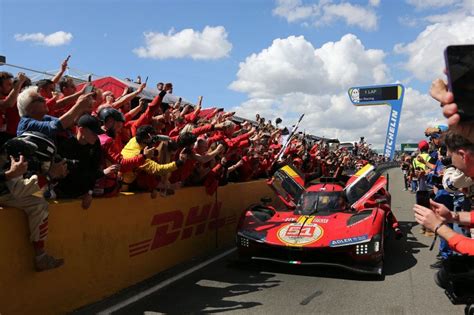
point(205, 292)
point(400, 254)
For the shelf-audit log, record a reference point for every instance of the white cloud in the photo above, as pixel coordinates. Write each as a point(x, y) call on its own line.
point(431, 4)
point(54, 39)
point(354, 15)
point(407, 20)
point(425, 53)
point(211, 43)
point(292, 77)
point(294, 65)
point(374, 3)
point(293, 10)
point(325, 12)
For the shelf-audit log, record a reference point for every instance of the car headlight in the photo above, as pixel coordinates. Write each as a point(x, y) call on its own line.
point(371, 247)
point(252, 235)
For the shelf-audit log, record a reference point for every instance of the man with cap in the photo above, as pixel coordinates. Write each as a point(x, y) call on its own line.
point(422, 164)
point(83, 155)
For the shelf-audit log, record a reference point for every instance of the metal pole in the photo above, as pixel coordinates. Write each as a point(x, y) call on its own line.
point(27, 69)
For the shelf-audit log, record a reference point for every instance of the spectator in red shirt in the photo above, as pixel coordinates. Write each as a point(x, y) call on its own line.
point(112, 146)
point(9, 91)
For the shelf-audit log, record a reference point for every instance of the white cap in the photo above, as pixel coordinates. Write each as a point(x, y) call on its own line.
point(454, 180)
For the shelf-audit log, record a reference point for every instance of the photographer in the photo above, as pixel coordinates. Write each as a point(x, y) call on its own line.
point(146, 175)
point(82, 154)
point(17, 189)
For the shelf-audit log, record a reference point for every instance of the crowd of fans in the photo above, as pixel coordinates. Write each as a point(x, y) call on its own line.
point(443, 165)
point(69, 141)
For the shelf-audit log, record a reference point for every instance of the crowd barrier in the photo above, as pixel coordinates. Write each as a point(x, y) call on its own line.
point(114, 244)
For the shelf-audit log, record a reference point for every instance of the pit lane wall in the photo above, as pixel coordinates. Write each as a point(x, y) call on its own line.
point(114, 244)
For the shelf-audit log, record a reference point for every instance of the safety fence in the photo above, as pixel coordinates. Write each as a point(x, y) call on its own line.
point(114, 244)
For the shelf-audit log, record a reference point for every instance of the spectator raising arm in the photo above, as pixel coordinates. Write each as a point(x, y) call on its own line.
point(128, 97)
point(83, 105)
point(63, 102)
point(11, 98)
point(192, 117)
point(208, 156)
point(58, 75)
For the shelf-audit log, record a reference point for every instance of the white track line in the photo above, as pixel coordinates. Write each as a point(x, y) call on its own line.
point(163, 284)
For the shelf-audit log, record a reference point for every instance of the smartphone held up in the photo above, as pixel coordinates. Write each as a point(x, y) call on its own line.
point(423, 198)
point(460, 69)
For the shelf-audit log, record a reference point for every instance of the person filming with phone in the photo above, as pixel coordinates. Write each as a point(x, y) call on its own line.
point(437, 216)
point(457, 102)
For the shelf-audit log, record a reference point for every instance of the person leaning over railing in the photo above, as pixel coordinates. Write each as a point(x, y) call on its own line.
point(33, 112)
point(83, 152)
point(459, 142)
point(111, 145)
point(18, 192)
point(147, 175)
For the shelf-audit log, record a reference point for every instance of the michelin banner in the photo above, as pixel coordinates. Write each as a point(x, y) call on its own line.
point(391, 95)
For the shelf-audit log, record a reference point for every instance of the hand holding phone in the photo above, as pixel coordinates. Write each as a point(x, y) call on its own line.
point(460, 69)
point(423, 198)
point(89, 89)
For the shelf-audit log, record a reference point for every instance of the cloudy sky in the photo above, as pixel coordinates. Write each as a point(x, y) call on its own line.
point(277, 58)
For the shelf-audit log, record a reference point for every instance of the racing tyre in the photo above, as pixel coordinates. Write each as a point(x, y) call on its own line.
point(469, 310)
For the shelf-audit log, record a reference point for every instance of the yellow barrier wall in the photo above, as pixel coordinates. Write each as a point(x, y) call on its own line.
point(114, 244)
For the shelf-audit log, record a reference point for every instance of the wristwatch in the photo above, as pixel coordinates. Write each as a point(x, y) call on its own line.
point(90, 192)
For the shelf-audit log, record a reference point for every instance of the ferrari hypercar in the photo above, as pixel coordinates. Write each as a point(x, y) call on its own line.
point(329, 222)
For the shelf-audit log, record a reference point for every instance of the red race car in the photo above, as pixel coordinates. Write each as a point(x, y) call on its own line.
point(327, 223)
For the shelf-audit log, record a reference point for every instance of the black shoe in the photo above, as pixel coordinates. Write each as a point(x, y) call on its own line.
point(437, 265)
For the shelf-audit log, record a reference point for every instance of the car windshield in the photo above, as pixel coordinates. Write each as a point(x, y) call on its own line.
point(321, 202)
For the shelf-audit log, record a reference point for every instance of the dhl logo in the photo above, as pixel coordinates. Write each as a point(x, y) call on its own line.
point(173, 225)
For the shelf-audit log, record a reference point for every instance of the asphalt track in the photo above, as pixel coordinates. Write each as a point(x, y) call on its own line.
point(228, 286)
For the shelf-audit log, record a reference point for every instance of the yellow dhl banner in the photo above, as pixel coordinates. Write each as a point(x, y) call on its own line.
point(114, 244)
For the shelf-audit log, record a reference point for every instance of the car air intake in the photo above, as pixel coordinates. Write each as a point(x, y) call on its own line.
point(359, 217)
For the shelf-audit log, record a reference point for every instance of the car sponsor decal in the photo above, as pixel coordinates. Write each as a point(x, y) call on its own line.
point(349, 241)
point(297, 234)
point(311, 219)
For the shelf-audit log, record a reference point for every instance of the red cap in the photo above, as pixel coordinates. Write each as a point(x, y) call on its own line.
point(423, 145)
